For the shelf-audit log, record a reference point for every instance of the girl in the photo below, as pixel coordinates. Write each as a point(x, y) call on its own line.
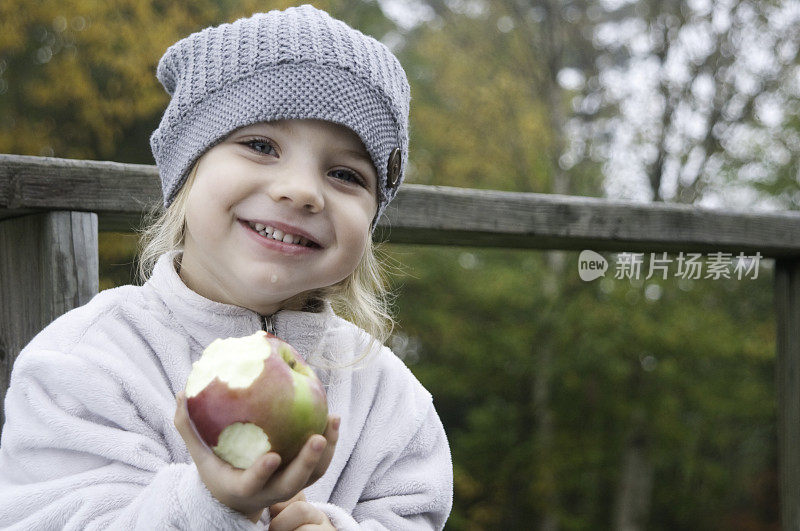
point(284, 140)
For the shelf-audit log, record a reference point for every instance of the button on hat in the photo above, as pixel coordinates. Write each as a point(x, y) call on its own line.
point(393, 169)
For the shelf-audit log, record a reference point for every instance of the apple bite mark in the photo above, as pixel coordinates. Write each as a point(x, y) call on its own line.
point(237, 371)
point(241, 443)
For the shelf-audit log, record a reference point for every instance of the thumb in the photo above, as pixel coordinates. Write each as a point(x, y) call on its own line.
point(276, 508)
point(197, 448)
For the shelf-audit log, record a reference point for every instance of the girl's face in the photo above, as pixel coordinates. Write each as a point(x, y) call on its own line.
point(308, 179)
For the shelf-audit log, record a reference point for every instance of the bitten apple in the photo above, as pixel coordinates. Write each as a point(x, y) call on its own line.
point(250, 395)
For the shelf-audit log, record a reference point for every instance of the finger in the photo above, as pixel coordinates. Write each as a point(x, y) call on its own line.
point(296, 515)
point(332, 436)
point(295, 476)
point(197, 448)
point(256, 475)
point(276, 508)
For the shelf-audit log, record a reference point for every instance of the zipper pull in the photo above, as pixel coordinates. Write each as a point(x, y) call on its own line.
point(268, 324)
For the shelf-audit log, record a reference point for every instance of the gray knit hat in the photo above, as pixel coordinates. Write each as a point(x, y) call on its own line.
point(298, 63)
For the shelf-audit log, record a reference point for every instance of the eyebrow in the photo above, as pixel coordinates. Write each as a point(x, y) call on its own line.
point(280, 124)
point(360, 155)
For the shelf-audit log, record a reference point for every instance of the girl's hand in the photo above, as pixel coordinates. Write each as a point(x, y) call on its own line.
point(251, 491)
point(297, 513)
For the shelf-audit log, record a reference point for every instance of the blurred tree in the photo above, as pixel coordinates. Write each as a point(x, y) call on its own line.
point(690, 361)
point(696, 102)
point(488, 79)
point(690, 103)
point(521, 461)
point(77, 77)
point(499, 61)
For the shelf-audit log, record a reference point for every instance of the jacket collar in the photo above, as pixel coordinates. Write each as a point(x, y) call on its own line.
point(206, 320)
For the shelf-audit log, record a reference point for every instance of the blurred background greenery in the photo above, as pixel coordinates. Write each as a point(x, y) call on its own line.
point(614, 404)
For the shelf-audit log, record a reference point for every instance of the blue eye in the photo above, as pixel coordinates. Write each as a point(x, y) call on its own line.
point(260, 145)
point(349, 176)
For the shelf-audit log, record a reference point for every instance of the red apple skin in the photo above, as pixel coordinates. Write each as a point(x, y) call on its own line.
point(268, 403)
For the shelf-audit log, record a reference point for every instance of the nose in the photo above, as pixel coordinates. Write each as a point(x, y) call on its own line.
point(300, 186)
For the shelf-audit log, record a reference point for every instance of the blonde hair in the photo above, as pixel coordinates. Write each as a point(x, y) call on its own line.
point(364, 297)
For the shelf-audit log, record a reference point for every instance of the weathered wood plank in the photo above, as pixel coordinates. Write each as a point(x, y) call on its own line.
point(48, 266)
point(485, 218)
point(787, 378)
point(119, 194)
point(113, 190)
point(67, 184)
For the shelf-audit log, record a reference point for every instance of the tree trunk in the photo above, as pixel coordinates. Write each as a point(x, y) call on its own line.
point(632, 508)
point(544, 436)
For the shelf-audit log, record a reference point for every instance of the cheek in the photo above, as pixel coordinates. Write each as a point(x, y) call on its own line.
point(352, 233)
point(367, 210)
point(221, 178)
point(207, 214)
point(198, 226)
point(215, 193)
point(357, 244)
point(358, 250)
point(347, 262)
point(359, 222)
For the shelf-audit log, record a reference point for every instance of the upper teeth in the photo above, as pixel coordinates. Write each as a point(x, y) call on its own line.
point(275, 234)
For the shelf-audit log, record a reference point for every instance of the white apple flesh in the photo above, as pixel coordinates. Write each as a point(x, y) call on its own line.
point(250, 395)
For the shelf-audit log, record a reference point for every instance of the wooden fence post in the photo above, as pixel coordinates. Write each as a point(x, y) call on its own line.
point(787, 379)
point(48, 266)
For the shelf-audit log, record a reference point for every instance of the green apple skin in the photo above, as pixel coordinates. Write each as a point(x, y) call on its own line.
point(286, 400)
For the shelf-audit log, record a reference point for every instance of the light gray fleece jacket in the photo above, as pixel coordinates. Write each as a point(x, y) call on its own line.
point(89, 440)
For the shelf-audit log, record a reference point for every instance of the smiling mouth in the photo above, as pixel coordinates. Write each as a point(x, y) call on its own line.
point(272, 233)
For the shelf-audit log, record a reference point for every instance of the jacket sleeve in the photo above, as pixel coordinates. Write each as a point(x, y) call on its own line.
point(412, 491)
point(83, 448)
point(408, 471)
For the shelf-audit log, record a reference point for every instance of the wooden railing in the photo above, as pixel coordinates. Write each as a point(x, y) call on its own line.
point(52, 209)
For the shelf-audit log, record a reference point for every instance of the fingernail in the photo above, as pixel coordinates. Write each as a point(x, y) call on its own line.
point(336, 422)
point(318, 445)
